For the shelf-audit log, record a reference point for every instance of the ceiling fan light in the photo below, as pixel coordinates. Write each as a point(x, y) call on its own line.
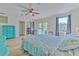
point(30, 14)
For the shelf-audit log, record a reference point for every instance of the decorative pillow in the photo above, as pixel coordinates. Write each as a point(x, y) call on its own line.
point(68, 42)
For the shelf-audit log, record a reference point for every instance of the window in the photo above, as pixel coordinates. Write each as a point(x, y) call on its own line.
point(42, 28)
point(21, 28)
point(3, 19)
point(63, 25)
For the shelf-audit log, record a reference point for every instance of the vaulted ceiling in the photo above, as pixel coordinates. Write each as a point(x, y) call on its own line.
point(45, 9)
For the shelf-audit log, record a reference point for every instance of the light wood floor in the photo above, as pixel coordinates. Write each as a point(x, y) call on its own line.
point(18, 52)
point(15, 47)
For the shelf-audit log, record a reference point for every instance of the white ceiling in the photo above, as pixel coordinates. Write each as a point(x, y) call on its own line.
point(45, 9)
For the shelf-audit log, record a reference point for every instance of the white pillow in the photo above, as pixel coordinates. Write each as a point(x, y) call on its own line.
point(68, 41)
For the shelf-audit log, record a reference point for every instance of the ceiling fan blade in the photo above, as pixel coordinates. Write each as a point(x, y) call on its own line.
point(22, 6)
point(36, 13)
point(24, 10)
point(35, 10)
point(27, 13)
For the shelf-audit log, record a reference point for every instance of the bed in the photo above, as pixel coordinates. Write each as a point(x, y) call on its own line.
point(48, 45)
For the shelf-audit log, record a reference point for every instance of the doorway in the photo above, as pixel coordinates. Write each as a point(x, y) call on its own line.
point(21, 28)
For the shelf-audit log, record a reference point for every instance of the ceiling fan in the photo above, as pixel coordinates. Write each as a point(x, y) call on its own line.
point(30, 10)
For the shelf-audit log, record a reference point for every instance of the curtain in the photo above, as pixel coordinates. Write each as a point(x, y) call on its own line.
point(69, 25)
point(57, 27)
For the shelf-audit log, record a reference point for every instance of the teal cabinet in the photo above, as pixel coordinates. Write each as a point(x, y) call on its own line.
point(8, 31)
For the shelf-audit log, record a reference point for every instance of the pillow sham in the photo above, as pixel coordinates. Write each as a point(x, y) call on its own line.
point(67, 42)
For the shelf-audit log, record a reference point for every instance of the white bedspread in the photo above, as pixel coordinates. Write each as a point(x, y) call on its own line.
point(49, 44)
